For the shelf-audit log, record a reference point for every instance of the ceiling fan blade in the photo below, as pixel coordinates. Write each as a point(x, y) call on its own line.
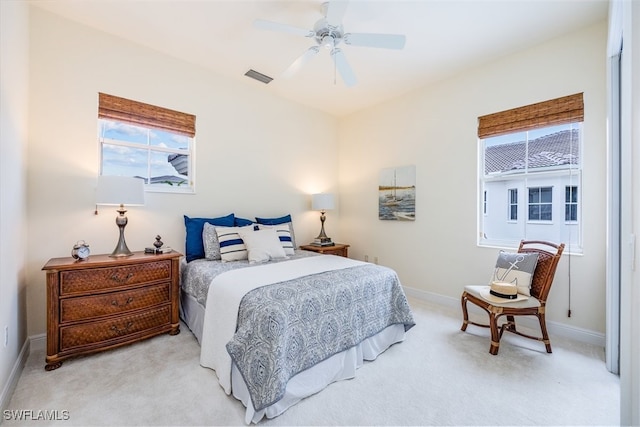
point(276, 26)
point(335, 11)
point(386, 41)
point(343, 67)
point(299, 63)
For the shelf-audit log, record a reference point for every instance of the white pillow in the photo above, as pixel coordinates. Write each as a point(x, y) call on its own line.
point(232, 246)
point(284, 236)
point(262, 245)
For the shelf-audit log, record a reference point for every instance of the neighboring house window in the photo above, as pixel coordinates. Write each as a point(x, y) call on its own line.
point(513, 204)
point(540, 204)
point(530, 151)
point(571, 203)
point(152, 143)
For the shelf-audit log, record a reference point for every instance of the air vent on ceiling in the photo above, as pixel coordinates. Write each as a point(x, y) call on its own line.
point(258, 76)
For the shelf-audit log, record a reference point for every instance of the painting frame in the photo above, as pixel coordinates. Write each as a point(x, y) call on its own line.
point(397, 193)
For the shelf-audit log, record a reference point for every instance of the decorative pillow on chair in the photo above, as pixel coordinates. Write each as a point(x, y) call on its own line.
point(232, 247)
point(262, 245)
point(194, 248)
point(284, 236)
point(280, 221)
point(516, 268)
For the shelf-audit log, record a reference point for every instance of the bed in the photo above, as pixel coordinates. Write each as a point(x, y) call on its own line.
point(280, 330)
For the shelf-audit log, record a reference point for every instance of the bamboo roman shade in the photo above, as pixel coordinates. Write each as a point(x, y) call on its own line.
point(137, 113)
point(568, 109)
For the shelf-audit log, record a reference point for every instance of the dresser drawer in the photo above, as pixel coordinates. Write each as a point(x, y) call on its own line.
point(96, 279)
point(79, 308)
point(113, 329)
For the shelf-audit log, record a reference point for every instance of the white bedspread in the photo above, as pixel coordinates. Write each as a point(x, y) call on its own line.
point(226, 292)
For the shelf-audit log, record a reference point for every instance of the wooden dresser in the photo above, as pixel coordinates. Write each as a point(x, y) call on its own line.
point(103, 302)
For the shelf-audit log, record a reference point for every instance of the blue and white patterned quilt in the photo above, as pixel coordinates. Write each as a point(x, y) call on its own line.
point(288, 327)
point(279, 319)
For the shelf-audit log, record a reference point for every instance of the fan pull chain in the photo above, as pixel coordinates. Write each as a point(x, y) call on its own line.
point(335, 68)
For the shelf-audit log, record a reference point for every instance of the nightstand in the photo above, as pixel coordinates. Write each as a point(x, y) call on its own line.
point(337, 249)
point(103, 302)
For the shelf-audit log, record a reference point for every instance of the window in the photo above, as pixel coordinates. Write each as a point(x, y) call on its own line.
point(571, 203)
point(531, 150)
point(145, 141)
point(540, 204)
point(513, 204)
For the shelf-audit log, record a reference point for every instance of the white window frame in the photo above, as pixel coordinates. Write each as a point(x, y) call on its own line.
point(573, 176)
point(189, 188)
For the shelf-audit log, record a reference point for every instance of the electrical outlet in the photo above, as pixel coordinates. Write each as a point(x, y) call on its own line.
point(366, 258)
point(6, 336)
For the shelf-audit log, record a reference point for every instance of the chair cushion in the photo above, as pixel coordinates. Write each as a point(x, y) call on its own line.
point(516, 268)
point(477, 292)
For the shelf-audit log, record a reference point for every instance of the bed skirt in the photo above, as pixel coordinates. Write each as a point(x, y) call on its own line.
point(338, 367)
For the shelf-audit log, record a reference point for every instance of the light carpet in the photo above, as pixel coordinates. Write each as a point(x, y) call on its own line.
point(438, 376)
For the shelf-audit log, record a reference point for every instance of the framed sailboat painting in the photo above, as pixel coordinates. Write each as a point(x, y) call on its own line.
point(397, 194)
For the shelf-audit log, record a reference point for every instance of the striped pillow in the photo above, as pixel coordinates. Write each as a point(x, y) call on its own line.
point(284, 235)
point(232, 248)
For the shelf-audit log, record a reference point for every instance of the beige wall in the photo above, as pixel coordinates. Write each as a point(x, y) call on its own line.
point(435, 129)
point(14, 71)
point(256, 155)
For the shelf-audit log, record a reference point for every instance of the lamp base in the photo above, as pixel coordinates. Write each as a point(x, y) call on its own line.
point(121, 249)
point(322, 239)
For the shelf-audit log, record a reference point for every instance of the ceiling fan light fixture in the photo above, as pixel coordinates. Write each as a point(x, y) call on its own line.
point(328, 42)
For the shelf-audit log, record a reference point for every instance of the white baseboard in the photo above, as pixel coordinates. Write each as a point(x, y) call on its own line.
point(555, 328)
point(16, 371)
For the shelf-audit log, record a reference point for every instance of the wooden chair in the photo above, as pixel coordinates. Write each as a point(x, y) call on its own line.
point(548, 257)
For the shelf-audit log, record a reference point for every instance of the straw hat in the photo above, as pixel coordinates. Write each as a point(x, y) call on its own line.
point(501, 292)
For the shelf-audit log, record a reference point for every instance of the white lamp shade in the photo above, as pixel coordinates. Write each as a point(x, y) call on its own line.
point(322, 202)
point(119, 190)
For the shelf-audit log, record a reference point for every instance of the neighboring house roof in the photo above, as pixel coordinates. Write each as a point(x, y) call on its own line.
point(556, 149)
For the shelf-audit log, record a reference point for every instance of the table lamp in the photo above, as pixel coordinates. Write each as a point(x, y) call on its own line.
point(120, 190)
point(322, 202)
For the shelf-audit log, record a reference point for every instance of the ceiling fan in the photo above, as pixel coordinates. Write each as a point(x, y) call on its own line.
point(329, 33)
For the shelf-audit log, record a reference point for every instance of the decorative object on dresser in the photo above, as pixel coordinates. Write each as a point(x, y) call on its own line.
point(105, 302)
point(80, 250)
point(158, 247)
point(322, 202)
point(120, 190)
point(335, 249)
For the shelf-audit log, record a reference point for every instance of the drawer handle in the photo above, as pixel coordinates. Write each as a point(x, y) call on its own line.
point(119, 331)
point(117, 278)
point(127, 302)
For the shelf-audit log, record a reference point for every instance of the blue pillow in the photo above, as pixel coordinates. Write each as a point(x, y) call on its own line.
point(242, 222)
point(274, 221)
point(194, 247)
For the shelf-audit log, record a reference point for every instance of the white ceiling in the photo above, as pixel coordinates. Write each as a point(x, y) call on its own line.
point(443, 37)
